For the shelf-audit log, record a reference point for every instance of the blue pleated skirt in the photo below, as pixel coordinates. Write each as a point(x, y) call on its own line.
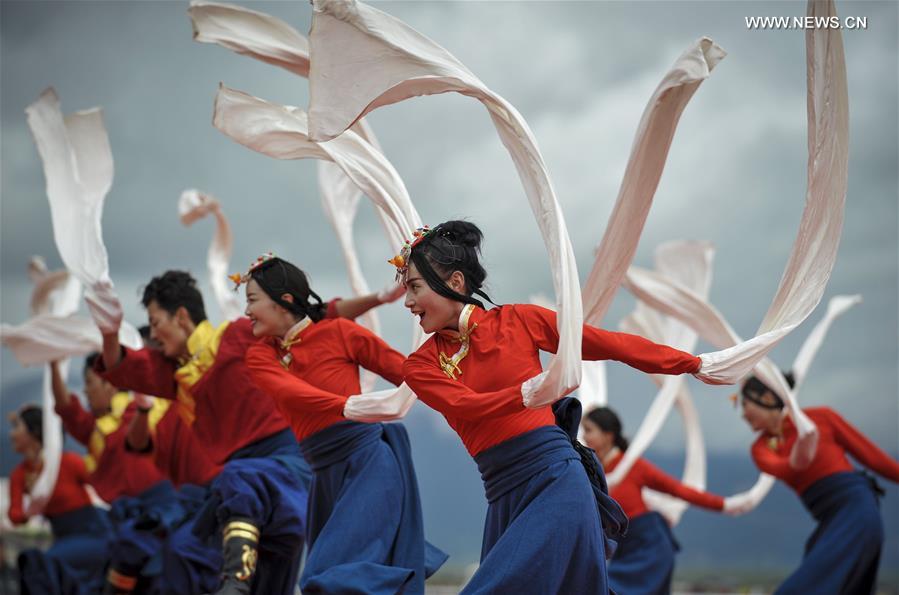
point(843, 553)
point(365, 530)
point(543, 532)
point(644, 560)
point(266, 482)
point(76, 562)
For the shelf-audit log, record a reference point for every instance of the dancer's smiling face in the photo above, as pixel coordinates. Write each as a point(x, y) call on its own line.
point(434, 311)
point(269, 319)
point(596, 439)
point(22, 440)
point(99, 393)
point(170, 330)
point(761, 419)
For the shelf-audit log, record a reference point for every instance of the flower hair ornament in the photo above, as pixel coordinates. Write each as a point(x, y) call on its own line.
point(401, 260)
point(241, 278)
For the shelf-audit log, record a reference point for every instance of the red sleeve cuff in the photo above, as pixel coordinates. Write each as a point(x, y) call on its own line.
point(69, 409)
point(331, 311)
point(100, 364)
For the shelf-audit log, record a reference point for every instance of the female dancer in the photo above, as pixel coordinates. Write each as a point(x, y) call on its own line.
point(644, 559)
point(81, 533)
point(843, 553)
point(365, 530)
point(542, 533)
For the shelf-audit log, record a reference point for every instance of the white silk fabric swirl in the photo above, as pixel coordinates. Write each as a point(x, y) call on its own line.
point(363, 58)
point(281, 132)
point(193, 206)
point(78, 168)
point(273, 41)
point(687, 261)
point(677, 301)
point(815, 249)
point(55, 293)
point(690, 263)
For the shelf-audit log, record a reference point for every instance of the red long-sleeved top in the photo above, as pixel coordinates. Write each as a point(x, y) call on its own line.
point(177, 452)
point(230, 411)
point(836, 438)
point(629, 492)
point(323, 371)
point(68, 494)
point(483, 405)
point(118, 471)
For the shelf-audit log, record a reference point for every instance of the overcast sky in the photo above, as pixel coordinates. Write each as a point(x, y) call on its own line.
point(579, 72)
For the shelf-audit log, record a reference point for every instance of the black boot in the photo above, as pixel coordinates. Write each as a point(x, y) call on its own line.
point(120, 581)
point(239, 542)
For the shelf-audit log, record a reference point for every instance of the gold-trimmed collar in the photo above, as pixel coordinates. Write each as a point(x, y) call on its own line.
point(450, 364)
point(291, 338)
point(462, 330)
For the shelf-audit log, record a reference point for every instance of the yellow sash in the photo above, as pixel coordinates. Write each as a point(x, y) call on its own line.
point(103, 427)
point(203, 345)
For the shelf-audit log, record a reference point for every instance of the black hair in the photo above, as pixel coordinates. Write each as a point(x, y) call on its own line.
point(276, 277)
point(32, 417)
point(452, 246)
point(754, 390)
point(90, 360)
point(173, 290)
point(608, 421)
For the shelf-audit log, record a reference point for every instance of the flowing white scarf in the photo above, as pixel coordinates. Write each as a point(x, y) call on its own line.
point(814, 251)
point(690, 263)
point(281, 132)
point(674, 299)
point(55, 293)
point(193, 206)
point(273, 41)
point(78, 167)
point(364, 59)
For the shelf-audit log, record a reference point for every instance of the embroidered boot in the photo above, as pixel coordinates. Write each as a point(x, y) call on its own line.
point(120, 581)
point(240, 540)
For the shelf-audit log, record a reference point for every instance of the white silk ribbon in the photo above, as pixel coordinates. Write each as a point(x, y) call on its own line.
point(364, 59)
point(193, 206)
point(281, 132)
point(78, 168)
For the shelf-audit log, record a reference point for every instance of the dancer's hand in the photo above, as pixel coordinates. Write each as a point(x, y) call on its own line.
point(104, 306)
point(36, 506)
point(143, 401)
point(391, 293)
point(738, 504)
point(704, 373)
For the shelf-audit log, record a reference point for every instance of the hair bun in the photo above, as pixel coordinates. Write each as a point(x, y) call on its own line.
point(790, 378)
point(464, 233)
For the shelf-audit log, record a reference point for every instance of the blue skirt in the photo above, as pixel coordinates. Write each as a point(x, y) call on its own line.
point(142, 523)
point(644, 561)
point(185, 564)
point(266, 482)
point(75, 563)
point(843, 553)
point(365, 528)
point(543, 533)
